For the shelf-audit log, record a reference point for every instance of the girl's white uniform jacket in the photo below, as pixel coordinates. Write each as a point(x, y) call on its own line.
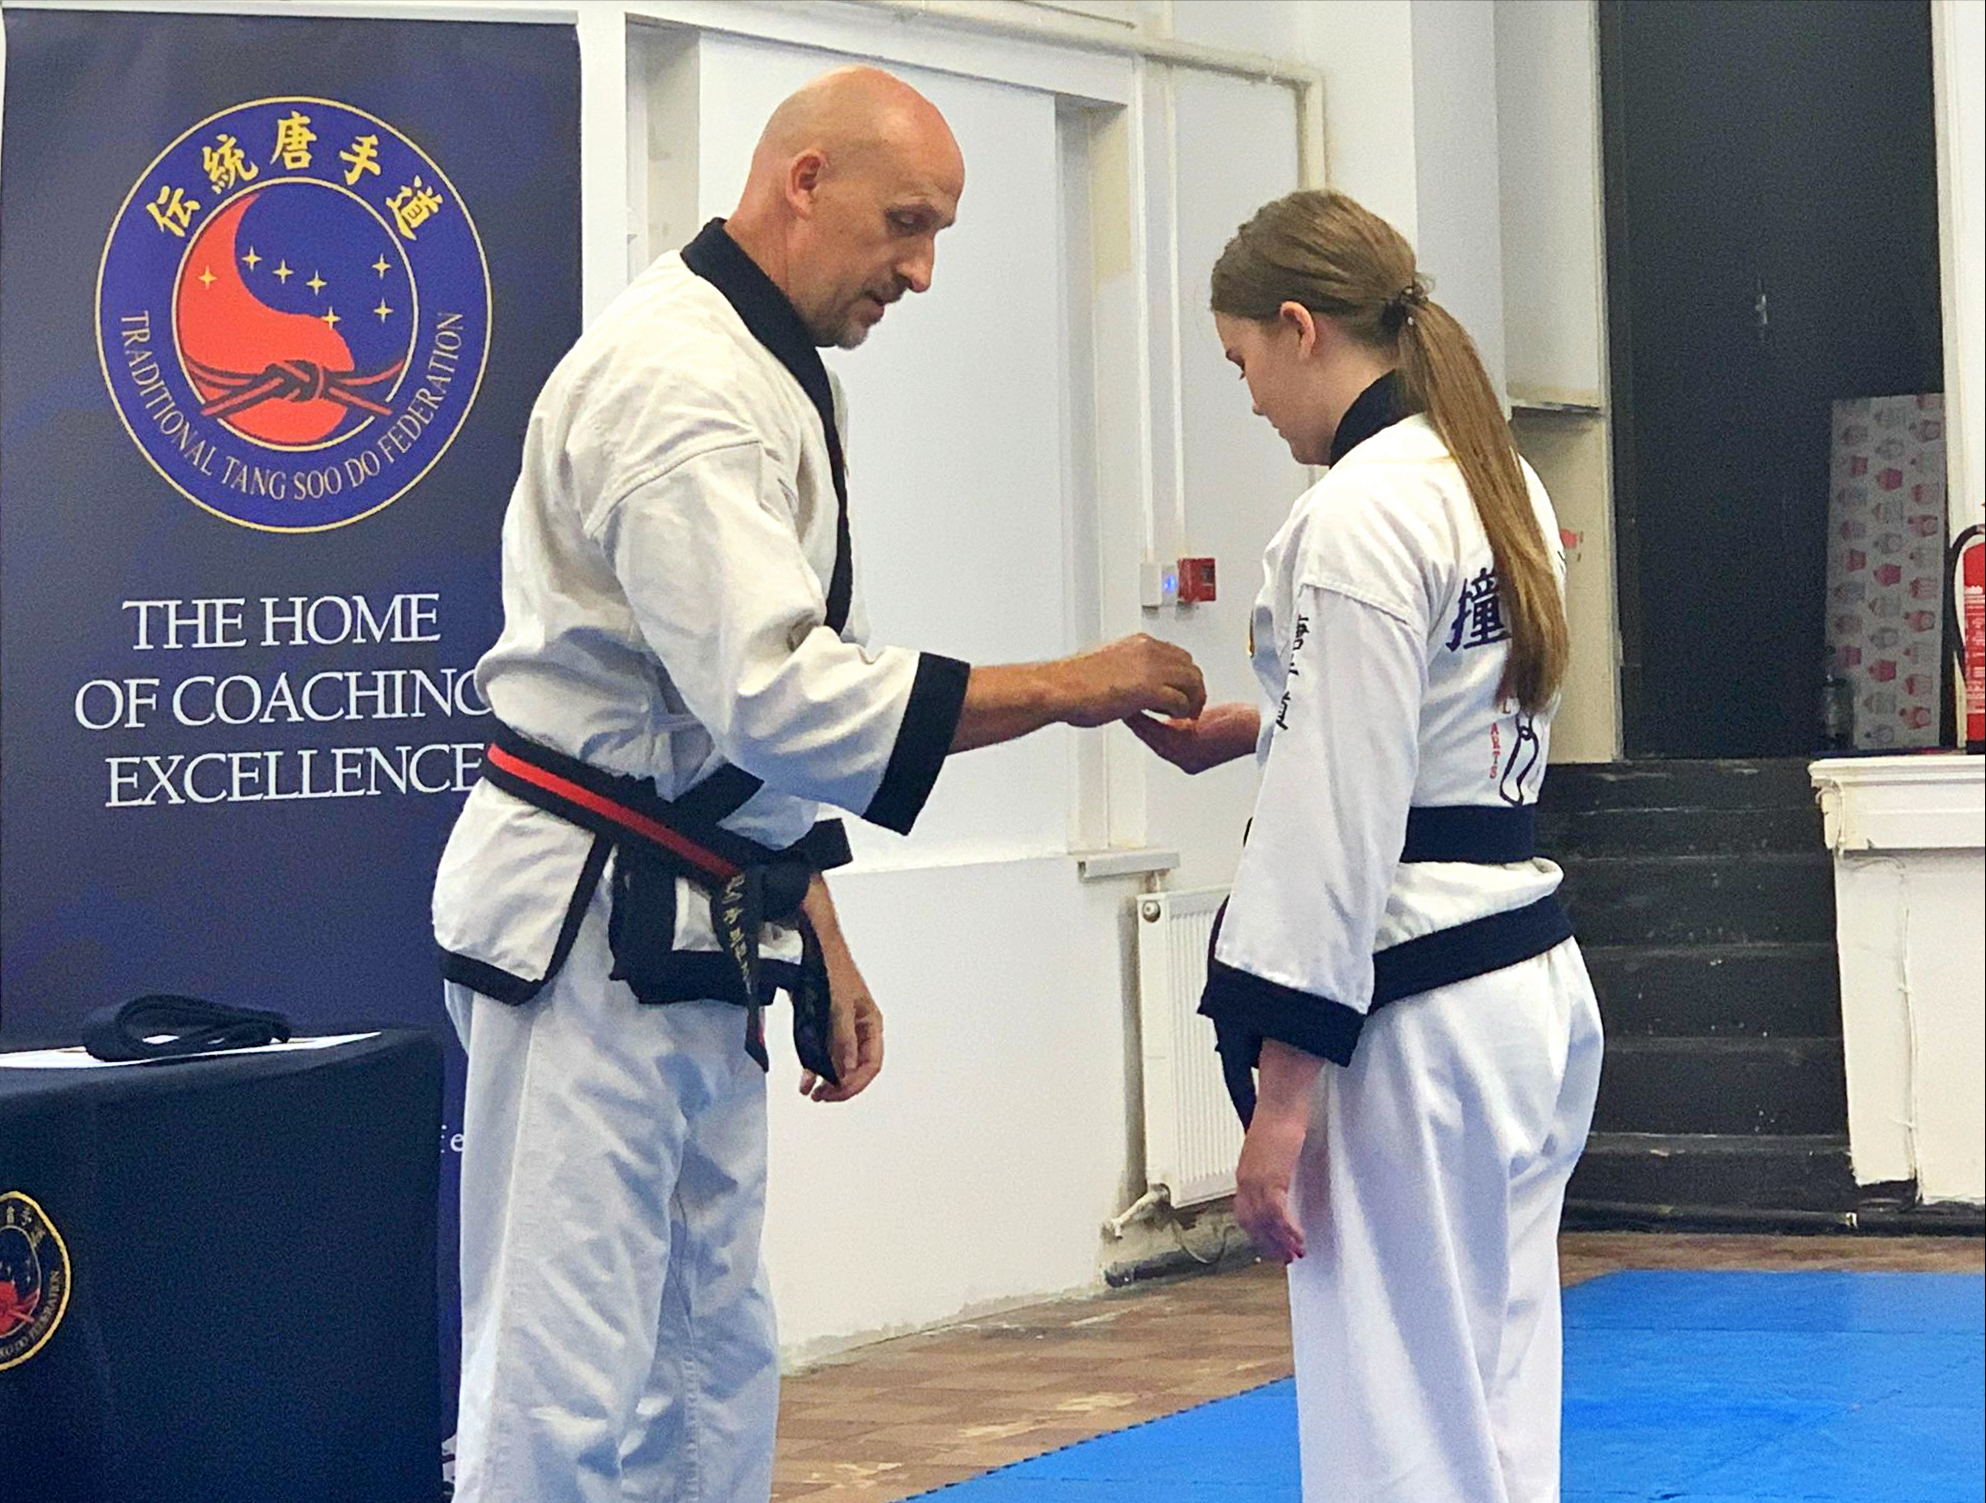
point(1380, 645)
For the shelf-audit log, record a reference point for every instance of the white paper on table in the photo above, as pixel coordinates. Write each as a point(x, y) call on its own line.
point(80, 1059)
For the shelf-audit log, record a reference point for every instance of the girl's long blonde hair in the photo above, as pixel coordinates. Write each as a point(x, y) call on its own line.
point(1340, 260)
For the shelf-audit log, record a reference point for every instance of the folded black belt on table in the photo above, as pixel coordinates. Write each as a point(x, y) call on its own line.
point(165, 1025)
point(1473, 834)
point(658, 840)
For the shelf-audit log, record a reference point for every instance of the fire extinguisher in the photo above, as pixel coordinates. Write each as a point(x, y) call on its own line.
point(1965, 622)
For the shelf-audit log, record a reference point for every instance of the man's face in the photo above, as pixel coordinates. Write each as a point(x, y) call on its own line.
point(872, 235)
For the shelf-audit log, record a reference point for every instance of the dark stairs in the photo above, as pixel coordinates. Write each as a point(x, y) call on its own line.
point(1703, 899)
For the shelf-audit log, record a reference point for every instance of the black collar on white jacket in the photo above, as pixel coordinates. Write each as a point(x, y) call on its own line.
point(1379, 406)
point(775, 323)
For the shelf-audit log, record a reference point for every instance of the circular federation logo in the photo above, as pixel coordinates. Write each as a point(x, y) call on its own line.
point(34, 1279)
point(293, 314)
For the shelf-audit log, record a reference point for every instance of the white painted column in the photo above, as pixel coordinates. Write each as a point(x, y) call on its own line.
point(603, 156)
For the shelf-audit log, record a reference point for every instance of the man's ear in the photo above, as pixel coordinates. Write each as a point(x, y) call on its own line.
point(803, 181)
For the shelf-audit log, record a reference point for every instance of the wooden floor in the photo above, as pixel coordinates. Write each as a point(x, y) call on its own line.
point(905, 1416)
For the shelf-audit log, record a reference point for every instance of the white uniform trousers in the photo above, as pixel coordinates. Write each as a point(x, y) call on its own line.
point(618, 1337)
point(1426, 1307)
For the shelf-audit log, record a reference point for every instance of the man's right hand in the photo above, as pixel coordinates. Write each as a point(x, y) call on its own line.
point(1131, 676)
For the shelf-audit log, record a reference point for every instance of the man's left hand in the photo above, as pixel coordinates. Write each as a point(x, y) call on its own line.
point(856, 1038)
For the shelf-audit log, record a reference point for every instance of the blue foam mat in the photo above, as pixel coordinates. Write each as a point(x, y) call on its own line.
point(1680, 1387)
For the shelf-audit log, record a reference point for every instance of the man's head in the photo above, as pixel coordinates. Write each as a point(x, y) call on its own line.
point(850, 184)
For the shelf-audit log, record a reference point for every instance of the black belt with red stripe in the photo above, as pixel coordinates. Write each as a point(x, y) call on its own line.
point(749, 885)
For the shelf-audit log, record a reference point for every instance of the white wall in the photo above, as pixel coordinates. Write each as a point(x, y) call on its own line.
point(1236, 479)
point(1410, 124)
point(1372, 98)
point(982, 1166)
point(1460, 240)
point(1569, 451)
point(1408, 93)
point(1365, 51)
point(1548, 131)
point(977, 1170)
point(1548, 119)
point(1001, 518)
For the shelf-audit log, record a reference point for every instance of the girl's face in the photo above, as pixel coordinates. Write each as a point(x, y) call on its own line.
point(1279, 361)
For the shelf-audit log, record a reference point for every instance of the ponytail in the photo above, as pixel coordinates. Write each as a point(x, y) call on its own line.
point(1340, 260)
point(1444, 378)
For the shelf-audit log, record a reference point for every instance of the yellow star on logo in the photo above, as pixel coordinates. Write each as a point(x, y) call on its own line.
point(316, 283)
point(382, 310)
point(283, 272)
point(207, 277)
point(380, 266)
point(331, 318)
point(251, 260)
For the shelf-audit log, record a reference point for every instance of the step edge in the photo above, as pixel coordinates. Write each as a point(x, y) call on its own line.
point(1759, 949)
point(1604, 811)
point(1818, 856)
point(1624, 1215)
point(1735, 1144)
point(1719, 1043)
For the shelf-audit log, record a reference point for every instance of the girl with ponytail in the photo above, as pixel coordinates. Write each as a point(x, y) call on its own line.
point(1403, 1016)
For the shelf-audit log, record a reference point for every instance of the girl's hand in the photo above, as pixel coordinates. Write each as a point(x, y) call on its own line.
point(1262, 1187)
point(1271, 1149)
point(1220, 735)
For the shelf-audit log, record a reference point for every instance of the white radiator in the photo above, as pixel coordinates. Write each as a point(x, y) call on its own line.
point(1192, 1136)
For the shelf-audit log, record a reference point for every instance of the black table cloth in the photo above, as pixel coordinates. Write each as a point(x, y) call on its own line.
point(248, 1248)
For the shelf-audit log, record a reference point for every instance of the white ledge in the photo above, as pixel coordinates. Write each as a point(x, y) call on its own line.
point(1132, 861)
point(1929, 802)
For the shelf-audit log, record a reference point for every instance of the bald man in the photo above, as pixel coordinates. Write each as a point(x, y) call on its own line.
point(681, 682)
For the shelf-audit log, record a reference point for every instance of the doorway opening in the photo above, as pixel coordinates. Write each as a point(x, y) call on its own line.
point(1772, 249)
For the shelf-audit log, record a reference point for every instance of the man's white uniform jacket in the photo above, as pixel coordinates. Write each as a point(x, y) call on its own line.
point(1391, 847)
point(679, 599)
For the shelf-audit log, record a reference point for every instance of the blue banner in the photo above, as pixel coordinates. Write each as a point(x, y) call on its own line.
point(278, 295)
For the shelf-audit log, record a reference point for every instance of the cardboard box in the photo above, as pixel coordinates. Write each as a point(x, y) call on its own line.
point(1885, 565)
